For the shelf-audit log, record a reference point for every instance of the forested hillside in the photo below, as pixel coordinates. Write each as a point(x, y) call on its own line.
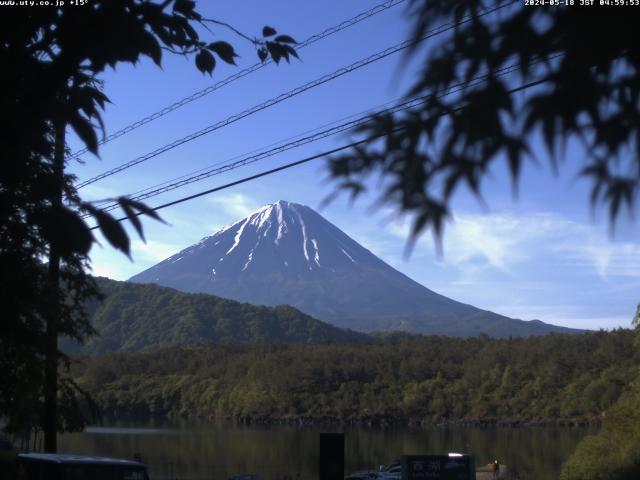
point(134, 317)
point(411, 380)
point(613, 452)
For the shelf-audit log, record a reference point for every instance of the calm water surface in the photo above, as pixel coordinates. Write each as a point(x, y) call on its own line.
point(188, 451)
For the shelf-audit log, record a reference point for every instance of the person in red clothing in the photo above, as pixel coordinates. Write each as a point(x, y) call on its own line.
point(495, 468)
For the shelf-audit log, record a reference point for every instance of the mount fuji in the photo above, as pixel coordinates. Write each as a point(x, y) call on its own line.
point(286, 253)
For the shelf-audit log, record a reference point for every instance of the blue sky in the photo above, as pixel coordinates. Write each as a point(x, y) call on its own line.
point(545, 255)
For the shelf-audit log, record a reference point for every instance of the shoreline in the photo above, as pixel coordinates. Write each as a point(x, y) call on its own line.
point(373, 422)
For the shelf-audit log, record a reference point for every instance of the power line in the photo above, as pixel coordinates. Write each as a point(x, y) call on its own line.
point(242, 73)
point(309, 159)
point(196, 175)
point(222, 167)
point(291, 93)
point(255, 151)
point(270, 151)
point(253, 177)
point(246, 161)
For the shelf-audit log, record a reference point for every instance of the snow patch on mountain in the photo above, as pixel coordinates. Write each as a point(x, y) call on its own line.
point(316, 256)
point(248, 261)
point(236, 240)
point(282, 225)
point(348, 256)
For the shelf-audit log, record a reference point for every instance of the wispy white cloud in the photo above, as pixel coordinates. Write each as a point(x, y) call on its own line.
point(608, 258)
point(98, 192)
point(153, 250)
point(505, 241)
point(235, 205)
point(540, 265)
point(102, 269)
point(493, 241)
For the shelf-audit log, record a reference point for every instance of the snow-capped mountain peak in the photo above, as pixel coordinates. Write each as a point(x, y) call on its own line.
point(281, 235)
point(285, 253)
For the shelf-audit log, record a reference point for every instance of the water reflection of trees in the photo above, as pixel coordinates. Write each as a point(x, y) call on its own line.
point(221, 450)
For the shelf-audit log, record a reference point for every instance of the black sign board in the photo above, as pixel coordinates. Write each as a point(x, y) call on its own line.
point(438, 467)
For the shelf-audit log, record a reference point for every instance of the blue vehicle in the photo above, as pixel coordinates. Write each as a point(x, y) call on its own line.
point(50, 466)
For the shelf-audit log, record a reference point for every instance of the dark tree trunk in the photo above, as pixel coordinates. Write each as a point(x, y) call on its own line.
point(51, 356)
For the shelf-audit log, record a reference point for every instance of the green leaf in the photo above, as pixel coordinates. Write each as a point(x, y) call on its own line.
point(113, 231)
point(268, 31)
point(162, 33)
point(132, 216)
point(85, 131)
point(205, 61)
point(289, 49)
point(82, 98)
point(141, 207)
point(184, 7)
point(149, 45)
point(224, 50)
point(100, 98)
point(284, 39)
point(262, 54)
point(68, 231)
point(275, 51)
point(280, 50)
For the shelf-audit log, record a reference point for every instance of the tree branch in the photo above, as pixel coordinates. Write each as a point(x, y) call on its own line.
point(254, 41)
point(177, 52)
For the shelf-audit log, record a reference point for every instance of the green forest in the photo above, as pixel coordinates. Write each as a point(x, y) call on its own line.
point(161, 352)
point(568, 379)
point(134, 317)
point(614, 452)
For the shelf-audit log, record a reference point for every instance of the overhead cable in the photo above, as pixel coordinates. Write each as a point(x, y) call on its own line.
point(307, 159)
point(285, 96)
point(363, 119)
point(242, 73)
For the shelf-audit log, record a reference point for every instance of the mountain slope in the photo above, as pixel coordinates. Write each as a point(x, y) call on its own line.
point(143, 317)
point(285, 253)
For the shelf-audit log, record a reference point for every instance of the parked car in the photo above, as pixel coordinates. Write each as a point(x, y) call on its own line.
point(50, 466)
point(393, 471)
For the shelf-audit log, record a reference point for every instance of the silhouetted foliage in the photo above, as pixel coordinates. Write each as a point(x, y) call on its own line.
point(50, 60)
point(584, 62)
point(420, 379)
point(578, 80)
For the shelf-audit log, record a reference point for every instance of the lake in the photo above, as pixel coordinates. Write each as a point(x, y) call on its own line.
point(190, 451)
